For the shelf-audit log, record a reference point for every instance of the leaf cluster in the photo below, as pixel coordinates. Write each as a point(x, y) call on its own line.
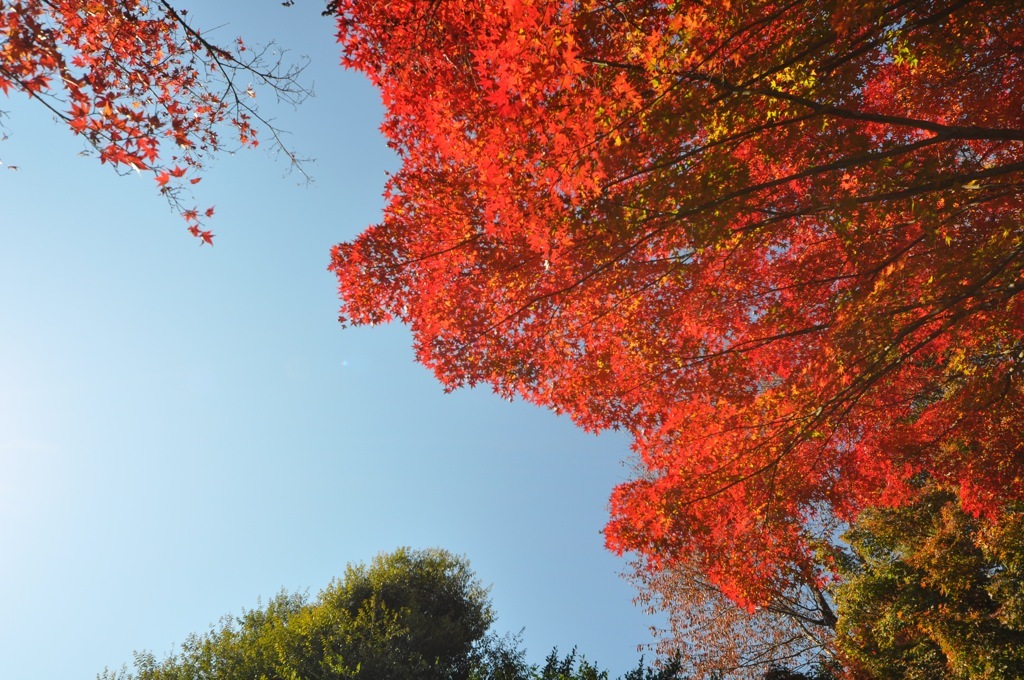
point(144, 88)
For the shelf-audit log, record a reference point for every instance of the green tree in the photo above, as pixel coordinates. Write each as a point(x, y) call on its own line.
point(933, 592)
point(415, 614)
point(569, 667)
point(504, 659)
point(409, 614)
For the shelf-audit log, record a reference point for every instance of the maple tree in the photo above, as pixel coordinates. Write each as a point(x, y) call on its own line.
point(779, 242)
point(142, 86)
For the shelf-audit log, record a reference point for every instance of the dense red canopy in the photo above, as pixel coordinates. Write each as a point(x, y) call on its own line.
point(780, 243)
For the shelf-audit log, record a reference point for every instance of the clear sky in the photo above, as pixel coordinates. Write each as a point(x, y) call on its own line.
point(185, 429)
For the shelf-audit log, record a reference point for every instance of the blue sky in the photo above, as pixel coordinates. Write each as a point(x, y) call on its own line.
point(184, 430)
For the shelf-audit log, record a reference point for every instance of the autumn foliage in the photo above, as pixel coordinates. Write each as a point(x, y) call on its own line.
point(713, 637)
point(145, 89)
point(779, 243)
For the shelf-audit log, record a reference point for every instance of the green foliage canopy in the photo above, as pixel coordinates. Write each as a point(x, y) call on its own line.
point(933, 592)
point(414, 615)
